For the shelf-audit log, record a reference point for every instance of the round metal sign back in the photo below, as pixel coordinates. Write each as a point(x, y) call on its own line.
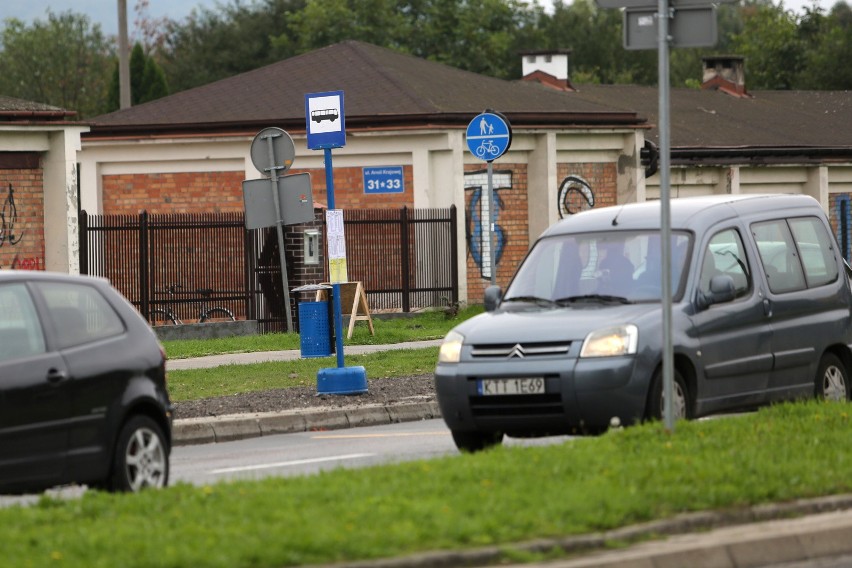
point(283, 151)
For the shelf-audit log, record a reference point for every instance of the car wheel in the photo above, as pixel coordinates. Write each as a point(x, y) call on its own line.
point(141, 457)
point(681, 408)
point(832, 382)
point(476, 441)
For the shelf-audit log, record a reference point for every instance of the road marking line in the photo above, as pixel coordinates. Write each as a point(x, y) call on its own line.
point(289, 463)
point(392, 435)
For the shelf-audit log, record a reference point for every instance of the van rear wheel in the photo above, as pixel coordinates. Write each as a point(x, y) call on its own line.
point(832, 381)
point(476, 441)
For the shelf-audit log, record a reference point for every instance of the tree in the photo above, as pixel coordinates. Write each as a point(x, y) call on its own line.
point(771, 45)
point(147, 80)
point(64, 62)
point(212, 45)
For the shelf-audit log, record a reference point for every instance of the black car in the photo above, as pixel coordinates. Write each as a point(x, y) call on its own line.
point(83, 394)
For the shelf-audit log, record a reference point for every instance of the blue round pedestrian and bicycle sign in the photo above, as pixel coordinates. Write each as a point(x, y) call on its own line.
point(488, 136)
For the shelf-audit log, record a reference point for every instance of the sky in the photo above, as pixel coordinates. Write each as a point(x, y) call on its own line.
point(105, 12)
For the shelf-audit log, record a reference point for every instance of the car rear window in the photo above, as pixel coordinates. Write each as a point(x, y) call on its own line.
point(79, 313)
point(20, 330)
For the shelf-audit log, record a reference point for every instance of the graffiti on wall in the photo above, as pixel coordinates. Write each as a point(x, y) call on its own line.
point(476, 232)
point(575, 195)
point(8, 218)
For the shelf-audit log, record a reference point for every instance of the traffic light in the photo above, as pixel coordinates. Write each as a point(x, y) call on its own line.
point(649, 157)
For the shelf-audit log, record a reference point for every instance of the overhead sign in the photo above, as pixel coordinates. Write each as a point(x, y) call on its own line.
point(325, 120)
point(689, 27)
point(383, 179)
point(488, 136)
point(295, 200)
point(283, 151)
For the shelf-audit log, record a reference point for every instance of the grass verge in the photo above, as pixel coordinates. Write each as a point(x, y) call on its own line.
point(503, 496)
point(193, 384)
point(425, 325)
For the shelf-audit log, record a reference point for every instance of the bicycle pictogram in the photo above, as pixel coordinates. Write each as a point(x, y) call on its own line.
point(489, 147)
point(8, 218)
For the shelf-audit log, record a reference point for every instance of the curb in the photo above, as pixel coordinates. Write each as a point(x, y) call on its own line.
point(192, 431)
point(763, 535)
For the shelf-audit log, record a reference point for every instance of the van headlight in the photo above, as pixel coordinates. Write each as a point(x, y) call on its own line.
point(611, 342)
point(450, 351)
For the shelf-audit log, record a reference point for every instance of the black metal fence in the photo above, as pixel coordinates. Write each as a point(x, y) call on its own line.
point(184, 264)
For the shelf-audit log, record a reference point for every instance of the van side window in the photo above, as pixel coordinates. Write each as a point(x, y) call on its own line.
point(725, 255)
point(816, 249)
point(779, 256)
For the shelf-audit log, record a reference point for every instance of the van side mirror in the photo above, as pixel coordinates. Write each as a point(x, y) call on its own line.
point(722, 290)
point(493, 295)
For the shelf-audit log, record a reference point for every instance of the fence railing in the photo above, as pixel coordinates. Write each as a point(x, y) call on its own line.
point(182, 263)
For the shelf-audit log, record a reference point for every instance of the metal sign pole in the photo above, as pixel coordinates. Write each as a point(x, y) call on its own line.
point(489, 211)
point(335, 286)
point(279, 227)
point(663, 16)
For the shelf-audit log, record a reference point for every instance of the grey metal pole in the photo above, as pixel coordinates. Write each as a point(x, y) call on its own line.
point(279, 227)
point(490, 212)
point(665, 212)
point(123, 57)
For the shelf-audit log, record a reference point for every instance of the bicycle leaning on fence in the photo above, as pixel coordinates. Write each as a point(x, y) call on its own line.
point(166, 316)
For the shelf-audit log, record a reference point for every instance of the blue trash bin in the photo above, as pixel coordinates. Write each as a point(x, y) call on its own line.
point(314, 331)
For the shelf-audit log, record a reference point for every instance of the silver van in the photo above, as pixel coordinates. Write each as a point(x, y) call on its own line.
point(760, 313)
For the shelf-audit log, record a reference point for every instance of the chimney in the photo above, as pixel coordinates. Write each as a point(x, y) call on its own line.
point(548, 67)
point(725, 73)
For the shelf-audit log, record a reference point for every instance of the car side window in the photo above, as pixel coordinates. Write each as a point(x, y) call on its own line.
point(816, 249)
point(79, 313)
point(725, 255)
point(20, 330)
point(779, 256)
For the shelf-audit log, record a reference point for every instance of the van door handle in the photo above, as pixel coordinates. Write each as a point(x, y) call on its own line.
point(55, 376)
point(767, 307)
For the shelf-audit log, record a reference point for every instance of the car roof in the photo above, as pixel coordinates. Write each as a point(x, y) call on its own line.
point(686, 213)
point(42, 276)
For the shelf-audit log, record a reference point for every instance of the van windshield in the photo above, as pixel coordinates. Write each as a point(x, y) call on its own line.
point(617, 266)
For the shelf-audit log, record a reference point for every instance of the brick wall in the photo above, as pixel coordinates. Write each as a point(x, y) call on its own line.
point(510, 186)
point(592, 182)
point(349, 189)
point(22, 230)
point(190, 192)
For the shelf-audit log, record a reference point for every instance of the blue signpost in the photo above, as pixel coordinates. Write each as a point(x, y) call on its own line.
point(325, 128)
point(489, 136)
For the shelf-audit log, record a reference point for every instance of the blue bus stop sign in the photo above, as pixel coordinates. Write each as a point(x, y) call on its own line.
point(488, 136)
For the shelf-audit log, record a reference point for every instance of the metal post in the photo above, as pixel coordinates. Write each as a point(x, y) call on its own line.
point(279, 228)
point(123, 57)
point(490, 218)
point(663, 16)
point(335, 287)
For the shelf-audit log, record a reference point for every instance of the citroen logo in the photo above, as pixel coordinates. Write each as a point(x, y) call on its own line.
point(517, 351)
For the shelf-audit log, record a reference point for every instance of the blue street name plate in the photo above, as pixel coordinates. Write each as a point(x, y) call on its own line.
point(383, 179)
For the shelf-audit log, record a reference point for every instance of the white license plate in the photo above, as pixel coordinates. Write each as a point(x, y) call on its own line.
point(493, 387)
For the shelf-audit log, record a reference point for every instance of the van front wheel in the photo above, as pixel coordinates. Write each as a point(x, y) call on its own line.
point(832, 381)
point(681, 408)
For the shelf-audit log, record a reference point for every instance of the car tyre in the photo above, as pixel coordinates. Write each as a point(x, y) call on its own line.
point(141, 457)
point(476, 441)
point(832, 380)
point(682, 407)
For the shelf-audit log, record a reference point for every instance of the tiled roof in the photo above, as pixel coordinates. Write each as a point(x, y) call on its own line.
point(380, 86)
point(711, 119)
point(18, 109)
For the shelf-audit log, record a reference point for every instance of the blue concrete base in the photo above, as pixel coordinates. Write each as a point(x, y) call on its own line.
point(342, 380)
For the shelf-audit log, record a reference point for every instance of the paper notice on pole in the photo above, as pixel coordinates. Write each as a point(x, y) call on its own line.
point(336, 246)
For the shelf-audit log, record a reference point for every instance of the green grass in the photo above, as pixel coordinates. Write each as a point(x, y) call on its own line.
point(425, 325)
point(226, 380)
point(500, 497)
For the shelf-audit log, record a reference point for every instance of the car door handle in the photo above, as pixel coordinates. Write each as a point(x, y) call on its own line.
point(55, 376)
point(767, 307)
